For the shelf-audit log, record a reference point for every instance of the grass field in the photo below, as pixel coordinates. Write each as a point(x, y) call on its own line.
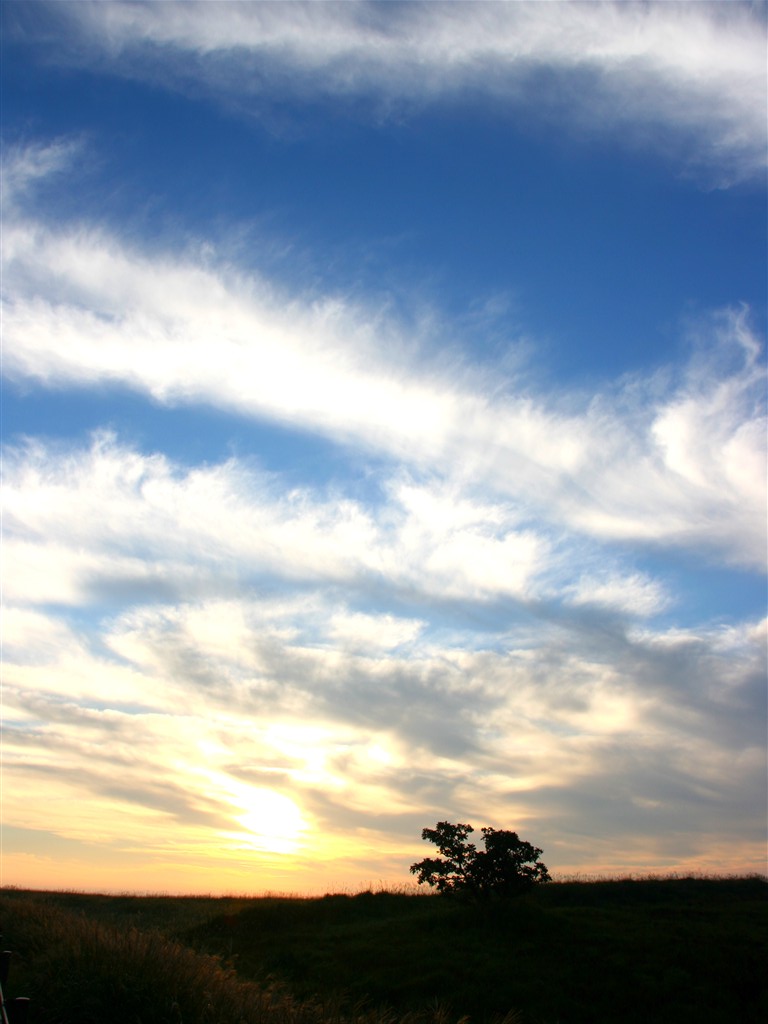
point(673, 950)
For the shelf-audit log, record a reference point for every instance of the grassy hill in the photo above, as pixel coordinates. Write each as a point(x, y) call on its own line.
point(660, 950)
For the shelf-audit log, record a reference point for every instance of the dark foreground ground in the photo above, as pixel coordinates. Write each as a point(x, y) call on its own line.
point(657, 950)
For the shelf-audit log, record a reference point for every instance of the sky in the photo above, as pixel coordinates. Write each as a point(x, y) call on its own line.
point(384, 438)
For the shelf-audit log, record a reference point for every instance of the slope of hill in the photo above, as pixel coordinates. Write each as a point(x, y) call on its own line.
point(662, 950)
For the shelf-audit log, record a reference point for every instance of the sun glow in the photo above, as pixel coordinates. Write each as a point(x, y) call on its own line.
point(272, 822)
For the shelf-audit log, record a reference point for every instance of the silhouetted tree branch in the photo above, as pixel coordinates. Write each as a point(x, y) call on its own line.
point(508, 866)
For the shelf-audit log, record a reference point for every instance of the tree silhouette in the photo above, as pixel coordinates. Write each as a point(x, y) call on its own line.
point(508, 866)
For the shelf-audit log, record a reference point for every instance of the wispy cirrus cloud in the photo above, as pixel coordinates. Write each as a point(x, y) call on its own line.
point(667, 459)
point(26, 165)
point(690, 76)
point(182, 531)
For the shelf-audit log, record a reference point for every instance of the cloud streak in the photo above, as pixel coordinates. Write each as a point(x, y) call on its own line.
point(651, 461)
point(691, 71)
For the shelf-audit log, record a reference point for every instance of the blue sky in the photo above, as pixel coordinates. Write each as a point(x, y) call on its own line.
point(384, 438)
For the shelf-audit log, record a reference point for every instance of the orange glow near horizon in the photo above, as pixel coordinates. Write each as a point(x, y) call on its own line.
point(256, 863)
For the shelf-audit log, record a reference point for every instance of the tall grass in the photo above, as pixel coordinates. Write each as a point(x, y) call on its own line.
point(81, 971)
point(672, 950)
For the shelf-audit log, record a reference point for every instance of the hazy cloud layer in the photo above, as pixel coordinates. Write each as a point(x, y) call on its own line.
point(627, 740)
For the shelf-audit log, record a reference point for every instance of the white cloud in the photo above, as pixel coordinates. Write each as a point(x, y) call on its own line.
point(679, 464)
point(697, 69)
point(714, 427)
point(83, 525)
point(363, 632)
point(23, 166)
point(634, 594)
